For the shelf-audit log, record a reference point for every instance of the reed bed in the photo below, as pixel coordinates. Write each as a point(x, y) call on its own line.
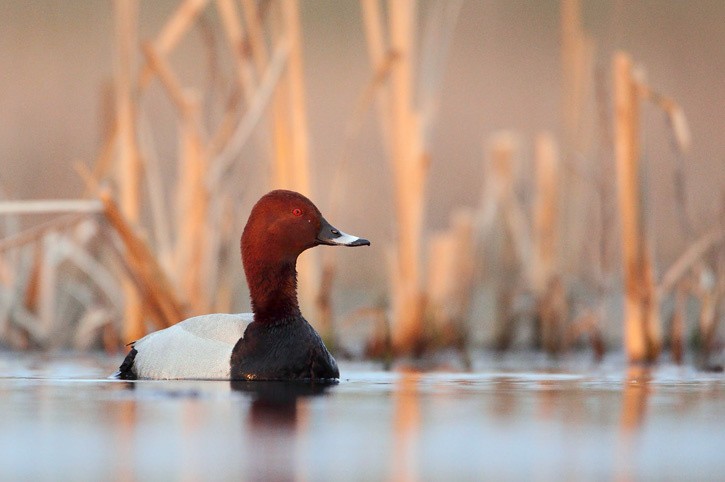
point(155, 240)
point(174, 259)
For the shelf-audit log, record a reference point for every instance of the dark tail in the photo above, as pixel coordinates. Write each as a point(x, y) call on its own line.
point(125, 371)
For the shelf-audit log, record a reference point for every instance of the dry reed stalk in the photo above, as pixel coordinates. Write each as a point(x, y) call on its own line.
point(298, 114)
point(548, 289)
point(50, 206)
point(38, 231)
point(253, 21)
point(707, 291)
point(129, 167)
point(159, 65)
point(500, 203)
point(90, 325)
point(32, 291)
point(269, 88)
point(642, 324)
point(128, 161)
point(225, 258)
point(586, 324)
point(551, 313)
point(577, 56)
point(76, 252)
point(172, 32)
point(226, 127)
point(409, 172)
point(281, 129)
point(140, 262)
point(103, 163)
point(441, 276)
point(47, 280)
point(380, 59)
point(677, 334)
point(236, 40)
point(435, 43)
point(156, 191)
point(450, 277)
point(675, 115)
point(193, 202)
point(546, 211)
point(690, 259)
point(504, 172)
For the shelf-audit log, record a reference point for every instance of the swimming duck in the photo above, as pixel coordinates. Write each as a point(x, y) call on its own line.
point(274, 342)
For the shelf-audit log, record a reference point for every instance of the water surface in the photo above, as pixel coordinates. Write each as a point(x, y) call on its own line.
point(63, 420)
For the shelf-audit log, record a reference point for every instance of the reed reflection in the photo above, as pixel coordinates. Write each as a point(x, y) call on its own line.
point(634, 408)
point(407, 422)
point(275, 419)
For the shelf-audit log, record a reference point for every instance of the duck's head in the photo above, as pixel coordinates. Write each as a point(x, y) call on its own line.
point(284, 223)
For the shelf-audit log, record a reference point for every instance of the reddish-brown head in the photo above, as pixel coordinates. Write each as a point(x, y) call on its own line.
point(280, 227)
point(282, 224)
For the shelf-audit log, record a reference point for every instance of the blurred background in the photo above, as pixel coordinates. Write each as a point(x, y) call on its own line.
point(498, 73)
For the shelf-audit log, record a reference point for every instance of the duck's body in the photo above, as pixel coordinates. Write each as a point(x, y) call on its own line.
point(274, 342)
point(200, 347)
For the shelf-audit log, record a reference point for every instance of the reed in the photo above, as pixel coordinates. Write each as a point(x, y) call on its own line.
point(642, 324)
point(577, 62)
point(408, 162)
point(141, 264)
point(450, 279)
point(545, 280)
point(406, 100)
point(194, 210)
point(502, 211)
point(128, 164)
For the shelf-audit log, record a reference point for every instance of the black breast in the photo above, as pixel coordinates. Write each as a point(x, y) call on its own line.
point(289, 350)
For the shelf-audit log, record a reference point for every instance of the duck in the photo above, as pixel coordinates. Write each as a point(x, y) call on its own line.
point(274, 342)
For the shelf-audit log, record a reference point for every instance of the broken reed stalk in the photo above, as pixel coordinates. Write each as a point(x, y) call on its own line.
point(450, 278)
point(642, 323)
point(128, 161)
point(689, 259)
point(149, 277)
point(500, 204)
point(546, 211)
point(548, 289)
point(172, 33)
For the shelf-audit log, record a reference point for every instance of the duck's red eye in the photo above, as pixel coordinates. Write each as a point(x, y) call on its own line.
point(297, 212)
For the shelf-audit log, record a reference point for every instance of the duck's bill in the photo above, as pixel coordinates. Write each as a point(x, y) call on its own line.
point(332, 236)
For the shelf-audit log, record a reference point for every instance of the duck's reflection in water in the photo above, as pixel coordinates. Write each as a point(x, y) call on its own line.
point(275, 419)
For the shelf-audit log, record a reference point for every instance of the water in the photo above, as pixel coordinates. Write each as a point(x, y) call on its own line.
point(62, 420)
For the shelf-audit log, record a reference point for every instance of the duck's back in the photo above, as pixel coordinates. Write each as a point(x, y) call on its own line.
point(197, 348)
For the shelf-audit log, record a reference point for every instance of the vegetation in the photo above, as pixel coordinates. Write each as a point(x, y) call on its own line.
point(154, 240)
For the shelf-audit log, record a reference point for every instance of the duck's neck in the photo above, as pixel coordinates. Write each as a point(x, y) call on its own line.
point(273, 290)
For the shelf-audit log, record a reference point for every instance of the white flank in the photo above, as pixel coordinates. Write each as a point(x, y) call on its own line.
point(197, 348)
